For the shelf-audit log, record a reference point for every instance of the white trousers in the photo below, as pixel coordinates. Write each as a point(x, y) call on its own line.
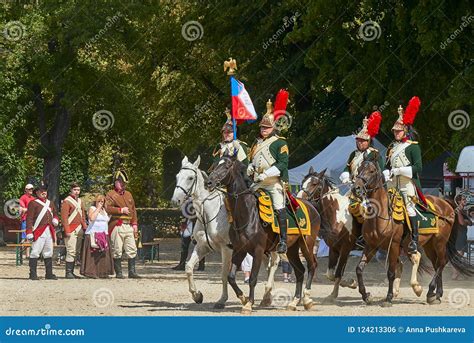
point(43, 245)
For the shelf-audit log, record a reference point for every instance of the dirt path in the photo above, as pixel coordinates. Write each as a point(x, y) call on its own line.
point(164, 292)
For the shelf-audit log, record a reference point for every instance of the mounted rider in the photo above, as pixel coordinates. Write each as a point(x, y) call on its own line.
point(232, 147)
point(370, 128)
point(404, 166)
point(229, 144)
point(269, 168)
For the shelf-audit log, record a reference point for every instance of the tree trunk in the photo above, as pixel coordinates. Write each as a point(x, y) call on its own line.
point(52, 140)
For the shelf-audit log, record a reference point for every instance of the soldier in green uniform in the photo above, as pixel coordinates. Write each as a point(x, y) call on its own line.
point(364, 138)
point(404, 166)
point(269, 168)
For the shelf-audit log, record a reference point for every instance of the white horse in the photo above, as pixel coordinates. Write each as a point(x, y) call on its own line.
point(211, 231)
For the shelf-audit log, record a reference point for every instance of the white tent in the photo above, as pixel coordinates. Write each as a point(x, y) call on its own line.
point(333, 157)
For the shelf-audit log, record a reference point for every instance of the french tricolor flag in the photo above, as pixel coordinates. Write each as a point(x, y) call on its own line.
point(242, 106)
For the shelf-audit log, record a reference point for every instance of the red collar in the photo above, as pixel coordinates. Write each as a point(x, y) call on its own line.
point(120, 192)
point(73, 196)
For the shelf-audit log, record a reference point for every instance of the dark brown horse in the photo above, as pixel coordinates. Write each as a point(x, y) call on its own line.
point(249, 234)
point(381, 231)
point(338, 228)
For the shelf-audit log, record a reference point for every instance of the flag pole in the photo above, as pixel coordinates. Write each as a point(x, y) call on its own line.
point(231, 65)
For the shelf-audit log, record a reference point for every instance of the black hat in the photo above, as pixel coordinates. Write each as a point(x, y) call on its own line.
point(121, 175)
point(41, 186)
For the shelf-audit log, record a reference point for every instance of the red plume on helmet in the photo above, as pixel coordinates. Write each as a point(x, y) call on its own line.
point(373, 124)
point(411, 110)
point(281, 102)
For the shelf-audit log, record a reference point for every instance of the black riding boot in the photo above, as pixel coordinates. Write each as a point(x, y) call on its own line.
point(132, 273)
point(48, 265)
point(182, 261)
point(118, 268)
point(281, 216)
point(33, 265)
point(413, 245)
point(70, 271)
point(202, 264)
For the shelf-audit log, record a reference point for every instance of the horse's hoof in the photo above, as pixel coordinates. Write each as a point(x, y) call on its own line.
point(330, 299)
point(351, 283)
point(368, 299)
point(198, 298)
point(387, 304)
point(291, 307)
point(246, 309)
point(243, 299)
point(433, 300)
point(396, 293)
point(219, 306)
point(308, 305)
point(418, 290)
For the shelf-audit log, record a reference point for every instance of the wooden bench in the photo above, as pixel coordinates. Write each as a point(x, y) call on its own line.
point(155, 250)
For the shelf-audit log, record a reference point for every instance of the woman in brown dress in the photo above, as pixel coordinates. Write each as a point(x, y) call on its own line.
point(97, 259)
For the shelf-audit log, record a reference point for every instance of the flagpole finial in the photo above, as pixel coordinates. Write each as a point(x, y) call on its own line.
point(230, 66)
point(227, 113)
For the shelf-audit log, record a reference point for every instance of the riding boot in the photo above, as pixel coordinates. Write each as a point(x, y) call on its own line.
point(201, 265)
point(281, 216)
point(132, 273)
point(118, 268)
point(413, 245)
point(48, 265)
point(69, 270)
point(182, 261)
point(33, 265)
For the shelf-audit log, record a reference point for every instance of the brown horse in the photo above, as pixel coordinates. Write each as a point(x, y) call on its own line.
point(338, 228)
point(381, 231)
point(249, 234)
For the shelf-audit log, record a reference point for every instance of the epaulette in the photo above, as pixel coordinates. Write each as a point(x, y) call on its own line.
point(241, 142)
point(412, 142)
point(281, 137)
point(371, 148)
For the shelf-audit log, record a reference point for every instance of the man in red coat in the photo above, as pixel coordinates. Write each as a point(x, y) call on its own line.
point(41, 218)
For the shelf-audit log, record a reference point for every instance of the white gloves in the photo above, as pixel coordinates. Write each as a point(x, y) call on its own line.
point(404, 171)
point(29, 236)
point(270, 172)
point(386, 174)
point(250, 169)
point(55, 222)
point(345, 177)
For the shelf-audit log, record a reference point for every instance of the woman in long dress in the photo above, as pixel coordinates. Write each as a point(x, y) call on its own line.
point(97, 259)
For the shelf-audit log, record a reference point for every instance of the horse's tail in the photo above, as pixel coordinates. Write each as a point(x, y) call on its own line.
point(458, 261)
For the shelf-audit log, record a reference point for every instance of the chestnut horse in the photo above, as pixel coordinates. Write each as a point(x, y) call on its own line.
point(338, 228)
point(250, 234)
point(381, 231)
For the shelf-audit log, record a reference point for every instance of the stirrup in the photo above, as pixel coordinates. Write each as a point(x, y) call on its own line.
point(281, 248)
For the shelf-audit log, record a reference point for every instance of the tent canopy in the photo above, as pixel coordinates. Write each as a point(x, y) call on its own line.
point(466, 160)
point(333, 157)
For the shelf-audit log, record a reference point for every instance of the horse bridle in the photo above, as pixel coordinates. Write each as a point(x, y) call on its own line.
point(190, 191)
point(366, 182)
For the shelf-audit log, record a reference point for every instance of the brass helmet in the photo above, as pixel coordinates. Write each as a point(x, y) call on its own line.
point(399, 123)
point(228, 125)
point(407, 117)
point(370, 126)
point(268, 119)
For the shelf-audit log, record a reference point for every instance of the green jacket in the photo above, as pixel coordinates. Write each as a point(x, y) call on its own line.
point(413, 153)
point(279, 151)
point(371, 152)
